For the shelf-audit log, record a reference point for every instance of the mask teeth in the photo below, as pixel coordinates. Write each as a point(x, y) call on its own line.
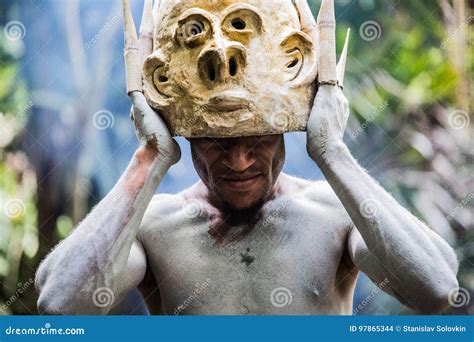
point(146, 30)
point(131, 51)
point(327, 43)
point(341, 66)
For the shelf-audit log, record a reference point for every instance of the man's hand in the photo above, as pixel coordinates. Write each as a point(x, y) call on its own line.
point(327, 121)
point(328, 118)
point(150, 128)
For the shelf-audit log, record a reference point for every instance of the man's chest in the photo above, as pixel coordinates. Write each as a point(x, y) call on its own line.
point(286, 263)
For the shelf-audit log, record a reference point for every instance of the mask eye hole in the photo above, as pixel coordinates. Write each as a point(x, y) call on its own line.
point(162, 79)
point(241, 23)
point(238, 24)
point(193, 30)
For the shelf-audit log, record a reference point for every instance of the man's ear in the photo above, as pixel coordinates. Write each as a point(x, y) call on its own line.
point(302, 62)
point(157, 86)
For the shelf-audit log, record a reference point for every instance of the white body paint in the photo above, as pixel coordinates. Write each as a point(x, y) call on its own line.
point(310, 241)
point(305, 242)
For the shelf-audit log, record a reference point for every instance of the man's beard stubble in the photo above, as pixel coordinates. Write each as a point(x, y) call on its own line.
point(242, 216)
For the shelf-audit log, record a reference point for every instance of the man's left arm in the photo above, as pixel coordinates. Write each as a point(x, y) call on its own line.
point(388, 243)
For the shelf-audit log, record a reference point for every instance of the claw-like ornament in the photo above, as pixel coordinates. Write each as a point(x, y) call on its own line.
point(327, 43)
point(341, 66)
point(156, 10)
point(146, 30)
point(133, 68)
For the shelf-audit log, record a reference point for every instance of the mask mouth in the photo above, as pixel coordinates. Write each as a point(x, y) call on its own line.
point(226, 102)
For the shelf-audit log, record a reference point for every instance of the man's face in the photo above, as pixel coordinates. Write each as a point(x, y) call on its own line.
point(240, 173)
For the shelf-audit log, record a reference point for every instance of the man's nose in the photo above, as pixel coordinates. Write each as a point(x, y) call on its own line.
point(221, 60)
point(239, 158)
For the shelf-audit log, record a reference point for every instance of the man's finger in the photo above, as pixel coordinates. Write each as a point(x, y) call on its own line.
point(327, 43)
point(131, 51)
point(308, 24)
point(146, 30)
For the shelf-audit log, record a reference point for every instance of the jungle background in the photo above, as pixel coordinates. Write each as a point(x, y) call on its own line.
point(66, 136)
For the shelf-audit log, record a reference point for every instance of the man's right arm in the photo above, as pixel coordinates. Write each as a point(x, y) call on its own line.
point(92, 261)
point(102, 258)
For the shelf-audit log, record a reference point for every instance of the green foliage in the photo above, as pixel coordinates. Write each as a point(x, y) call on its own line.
point(18, 218)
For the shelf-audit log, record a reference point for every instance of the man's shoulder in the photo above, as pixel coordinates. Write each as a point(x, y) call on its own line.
point(163, 209)
point(163, 205)
point(315, 203)
point(317, 192)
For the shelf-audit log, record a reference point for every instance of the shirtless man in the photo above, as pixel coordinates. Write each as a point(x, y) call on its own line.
point(247, 239)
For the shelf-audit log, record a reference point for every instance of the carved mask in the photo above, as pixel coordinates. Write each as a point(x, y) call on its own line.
point(223, 68)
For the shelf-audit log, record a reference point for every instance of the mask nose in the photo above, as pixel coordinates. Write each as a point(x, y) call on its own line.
point(211, 64)
point(217, 64)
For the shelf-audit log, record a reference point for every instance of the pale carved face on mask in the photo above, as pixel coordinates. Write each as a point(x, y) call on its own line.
point(230, 68)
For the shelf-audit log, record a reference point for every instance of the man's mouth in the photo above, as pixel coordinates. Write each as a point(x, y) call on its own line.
point(242, 182)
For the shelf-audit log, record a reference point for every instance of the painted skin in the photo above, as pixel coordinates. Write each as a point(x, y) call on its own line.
point(226, 244)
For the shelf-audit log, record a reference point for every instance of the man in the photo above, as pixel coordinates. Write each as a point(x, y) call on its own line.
point(247, 239)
